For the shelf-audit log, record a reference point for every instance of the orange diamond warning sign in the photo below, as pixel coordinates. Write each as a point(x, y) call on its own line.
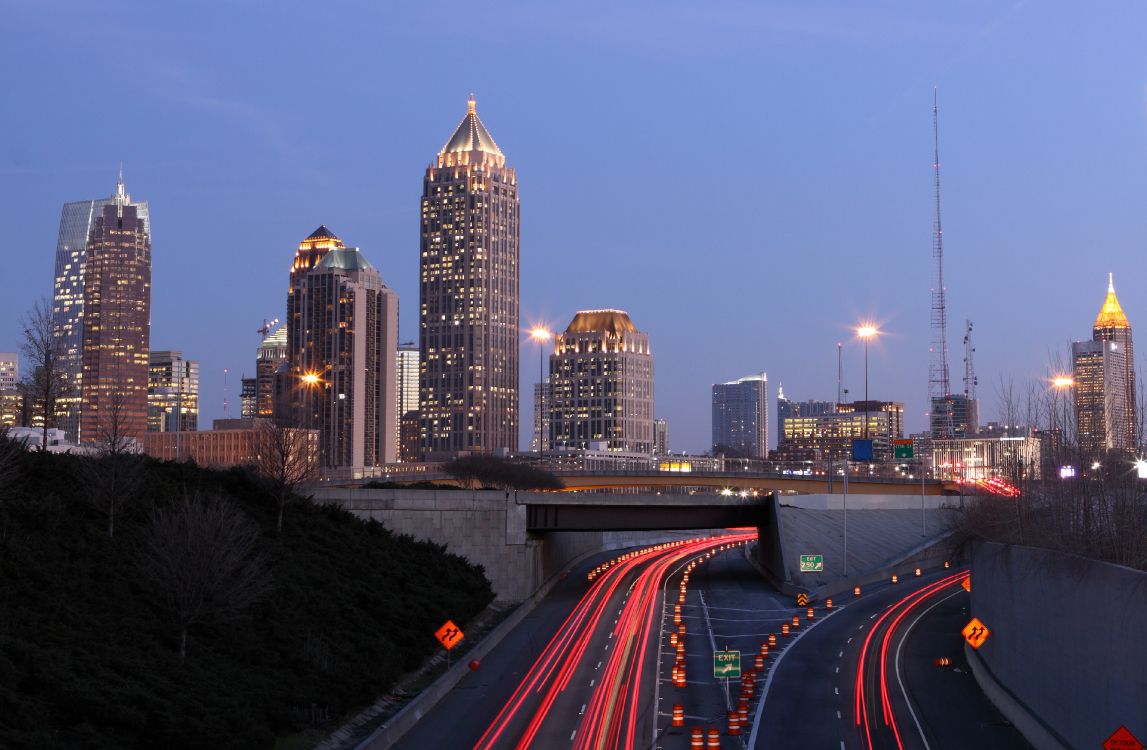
point(967, 583)
point(975, 633)
point(448, 635)
point(1122, 740)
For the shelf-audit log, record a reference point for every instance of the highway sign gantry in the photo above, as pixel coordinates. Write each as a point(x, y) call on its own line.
point(727, 664)
point(975, 633)
point(812, 563)
point(448, 635)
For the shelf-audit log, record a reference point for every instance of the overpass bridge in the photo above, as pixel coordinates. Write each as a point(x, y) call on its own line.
point(762, 482)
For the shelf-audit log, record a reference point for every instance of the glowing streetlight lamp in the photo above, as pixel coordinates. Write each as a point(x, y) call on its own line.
point(540, 335)
point(864, 332)
point(1062, 381)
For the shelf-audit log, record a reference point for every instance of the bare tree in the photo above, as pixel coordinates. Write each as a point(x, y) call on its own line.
point(287, 457)
point(112, 483)
point(43, 348)
point(202, 558)
point(112, 438)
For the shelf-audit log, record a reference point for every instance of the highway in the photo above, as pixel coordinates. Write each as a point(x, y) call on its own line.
point(866, 677)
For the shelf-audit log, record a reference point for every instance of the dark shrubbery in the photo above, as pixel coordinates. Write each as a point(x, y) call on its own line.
point(498, 473)
point(89, 654)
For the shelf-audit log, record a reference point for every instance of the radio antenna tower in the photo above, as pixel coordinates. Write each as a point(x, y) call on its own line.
point(939, 386)
point(969, 367)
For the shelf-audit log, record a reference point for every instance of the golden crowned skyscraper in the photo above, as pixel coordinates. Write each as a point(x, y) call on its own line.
point(468, 336)
point(1104, 377)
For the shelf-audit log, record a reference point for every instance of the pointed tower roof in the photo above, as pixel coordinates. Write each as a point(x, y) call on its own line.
point(322, 233)
point(1111, 314)
point(471, 134)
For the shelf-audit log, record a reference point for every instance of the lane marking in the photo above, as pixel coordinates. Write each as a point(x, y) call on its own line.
point(591, 683)
point(838, 714)
point(838, 670)
point(840, 655)
point(836, 690)
point(582, 711)
point(572, 735)
point(598, 665)
point(900, 679)
point(850, 639)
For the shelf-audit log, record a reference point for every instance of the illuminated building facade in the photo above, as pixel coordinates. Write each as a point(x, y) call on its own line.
point(288, 401)
point(1099, 372)
point(347, 351)
point(469, 297)
point(406, 388)
point(248, 397)
point(116, 323)
point(9, 370)
point(271, 354)
point(788, 408)
point(1111, 324)
point(76, 222)
point(955, 413)
point(601, 375)
point(232, 442)
point(172, 393)
point(830, 436)
point(741, 417)
point(541, 437)
point(1012, 458)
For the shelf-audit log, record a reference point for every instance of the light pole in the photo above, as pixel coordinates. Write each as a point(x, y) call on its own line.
point(865, 332)
point(540, 335)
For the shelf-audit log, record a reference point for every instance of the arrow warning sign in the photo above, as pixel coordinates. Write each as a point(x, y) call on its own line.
point(975, 633)
point(448, 635)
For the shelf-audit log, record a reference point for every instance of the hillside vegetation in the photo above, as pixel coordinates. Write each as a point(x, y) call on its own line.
point(191, 622)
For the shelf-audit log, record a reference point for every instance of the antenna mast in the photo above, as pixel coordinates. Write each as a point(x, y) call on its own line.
point(969, 368)
point(225, 414)
point(939, 385)
point(839, 374)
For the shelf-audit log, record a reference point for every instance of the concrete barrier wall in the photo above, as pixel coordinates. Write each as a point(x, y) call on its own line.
point(869, 502)
point(1067, 641)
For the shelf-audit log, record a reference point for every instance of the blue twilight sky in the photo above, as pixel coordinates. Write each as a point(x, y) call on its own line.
point(747, 179)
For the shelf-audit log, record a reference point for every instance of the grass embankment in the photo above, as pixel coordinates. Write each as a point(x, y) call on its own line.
point(90, 644)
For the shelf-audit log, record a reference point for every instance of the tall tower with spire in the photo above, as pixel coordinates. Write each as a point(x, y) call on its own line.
point(468, 337)
point(76, 221)
point(1105, 396)
point(116, 323)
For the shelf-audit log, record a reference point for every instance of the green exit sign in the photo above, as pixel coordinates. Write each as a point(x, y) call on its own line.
point(902, 449)
point(727, 664)
point(812, 563)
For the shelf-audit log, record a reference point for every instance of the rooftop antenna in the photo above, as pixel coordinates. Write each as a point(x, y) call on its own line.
point(225, 414)
point(969, 368)
point(939, 385)
point(839, 373)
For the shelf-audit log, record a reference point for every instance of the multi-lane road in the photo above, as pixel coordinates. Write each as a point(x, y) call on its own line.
point(594, 665)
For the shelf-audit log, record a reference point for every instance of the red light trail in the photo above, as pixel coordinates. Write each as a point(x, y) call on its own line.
point(611, 715)
point(886, 731)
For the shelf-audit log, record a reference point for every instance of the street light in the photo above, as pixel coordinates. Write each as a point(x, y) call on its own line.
point(865, 332)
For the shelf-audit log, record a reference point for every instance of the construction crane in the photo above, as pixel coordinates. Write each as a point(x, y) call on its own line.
point(268, 326)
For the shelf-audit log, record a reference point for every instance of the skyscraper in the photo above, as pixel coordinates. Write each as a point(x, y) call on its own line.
point(248, 397)
point(348, 319)
point(741, 416)
point(540, 442)
point(1099, 372)
point(76, 222)
point(272, 353)
point(172, 393)
point(468, 297)
point(406, 389)
point(601, 375)
point(1112, 325)
point(660, 437)
point(289, 395)
point(116, 320)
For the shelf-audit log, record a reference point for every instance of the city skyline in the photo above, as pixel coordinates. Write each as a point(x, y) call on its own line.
point(1048, 186)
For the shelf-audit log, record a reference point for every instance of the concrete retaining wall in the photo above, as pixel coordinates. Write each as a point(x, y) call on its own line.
point(1067, 642)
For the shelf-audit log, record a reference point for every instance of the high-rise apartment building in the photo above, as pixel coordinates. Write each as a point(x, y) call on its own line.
point(468, 297)
point(172, 393)
point(1099, 373)
point(741, 417)
point(9, 370)
point(406, 388)
point(787, 408)
point(1119, 417)
point(289, 398)
point(76, 222)
point(269, 357)
point(248, 397)
point(830, 436)
point(116, 320)
point(660, 437)
point(543, 393)
point(347, 320)
point(601, 375)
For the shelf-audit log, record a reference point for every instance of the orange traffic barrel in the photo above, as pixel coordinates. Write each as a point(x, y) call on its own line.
point(764, 648)
point(772, 639)
point(784, 630)
point(759, 662)
point(808, 614)
point(672, 639)
point(947, 564)
point(678, 715)
point(856, 591)
point(681, 598)
point(828, 603)
point(917, 572)
point(943, 661)
point(747, 689)
point(734, 724)
point(696, 738)
point(744, 712)
point(680, 647)
point(714, 740)
point(895, 579)
point(796, 621)
point(681, 630)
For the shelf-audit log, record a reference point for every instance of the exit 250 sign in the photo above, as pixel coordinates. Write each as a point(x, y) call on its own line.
point(812, 563)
